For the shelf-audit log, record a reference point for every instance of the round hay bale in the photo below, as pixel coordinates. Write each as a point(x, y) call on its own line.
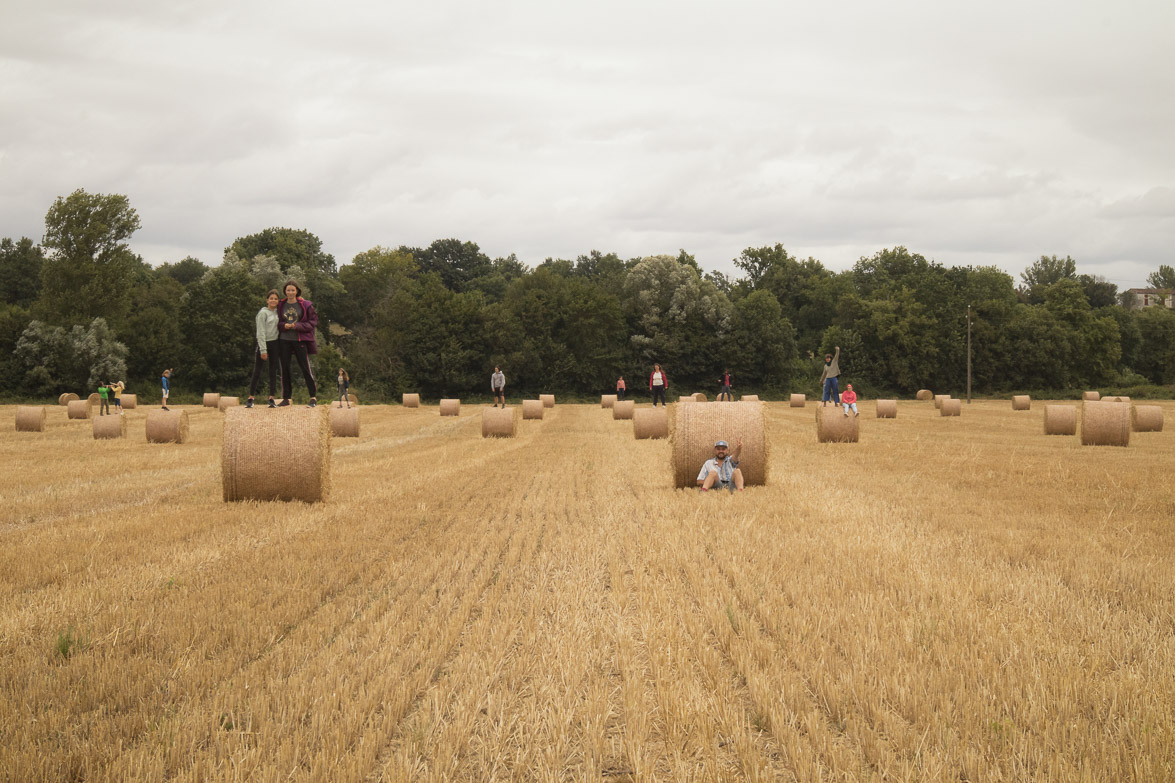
point(167, 426)
point(689, 398)
point(130, 401)
point(623, 410)
point(798, 400)
point(651, 423)
point(833, 426)
point(78, 409)
point(67, 398)
point(924, 395)
point(699, 397)
point(410, 400)
point(450, 407)
point(548, 400)
point(1021, 402)
point(106, 427)
point(938, 399)
point(1060, 420)
point(211, 399)
point(950, 407)
point(498, 422)
point(1091, 396)
point(94, 399)
point(532, 409)
point(1105, 424)
point(30, 418)
point(607, 400)
point(699, 426)
point(1147, 418)
point(1115, 399)
point(887, 409)
point(351, 399)
point(227, 402)
point(344, 422)
point(749, 398)
point(266, 457)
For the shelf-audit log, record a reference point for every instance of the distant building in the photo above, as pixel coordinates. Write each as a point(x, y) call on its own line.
point(1150, 297)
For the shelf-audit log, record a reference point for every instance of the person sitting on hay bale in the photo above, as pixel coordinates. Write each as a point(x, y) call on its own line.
point(849, 400)
point(829, 378)
point(721, 471)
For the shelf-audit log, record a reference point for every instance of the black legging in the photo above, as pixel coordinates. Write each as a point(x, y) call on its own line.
point(271, 350)
point(658, 391)
point(286, 348)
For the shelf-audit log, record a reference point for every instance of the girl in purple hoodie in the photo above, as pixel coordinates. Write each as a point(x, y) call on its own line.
point(297, 322)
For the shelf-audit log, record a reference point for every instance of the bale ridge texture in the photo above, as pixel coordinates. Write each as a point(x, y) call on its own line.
point(699, 426)
point(106, 427)
point(797, 400)
point(211, 399)
point(30, 418)
point(344, 422)
point(1091, 396)
point(623, 410)
point(924, 394)
point(167, 426)
point(1147, 418)
point(938, 399)
point(67, 398)
point(410, 400)
point(1060, 420)
point(607, 400)
point(498, 422)
point(887, 409)
point(833, 426)
point(1105, 424)
point(699, 397)
point(130, 401)
point(228, 402)
point(276, 457)
point(749, 398)
point(548, 400)
point(78, 409)
point(951, 407)
point(651, 423)
point(1021, 402)
point(689, 398)
point(532, 409)
point(451, 407)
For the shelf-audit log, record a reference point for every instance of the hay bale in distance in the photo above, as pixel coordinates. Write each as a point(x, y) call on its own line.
point(94, 399)
point(410, 400)
point(699, 397)
point(651, 423)
point(1021, 402)
point(951, 407)
point(623, 410)
point(227, 402)
point(1146, 418)
point(548, 400)
point(797, 400)
point(532, 409)
point(167, 426)
point(1091, 396)
point(749, 398)
point(67, 398)
point(1115, 399)
point(924, 395)
point(498, 422)
point(833, 426)
point(1105, 424)
point(344, 422)
point(130, 401)
point(106, 427)
point(1060, 420)
point(211, 399)
point(607, 400)
point(30, 418)
point(78, 409)
point(451, 407)
point(686, 398)
point(276, 457)
point(699, 426)
point(887, 409)
point(938, 399)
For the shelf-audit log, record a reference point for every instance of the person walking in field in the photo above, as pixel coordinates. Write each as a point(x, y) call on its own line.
point(498, 386)
point(116, 396)
point(344, 385)
point(621, 388)
point(266, 323)
point(165, 381)
point(722, 471)
point(299, 320)
point(104, 399)
point(658, 385)
point(829, 378)
point(724, 385)
point(849, 400)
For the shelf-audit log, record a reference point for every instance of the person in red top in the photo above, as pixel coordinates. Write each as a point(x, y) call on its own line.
point(849, 400)
point(724, 385)
point(658, 385)
point(620, 388)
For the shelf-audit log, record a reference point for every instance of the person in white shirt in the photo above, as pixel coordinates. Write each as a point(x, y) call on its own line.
point(722, 471)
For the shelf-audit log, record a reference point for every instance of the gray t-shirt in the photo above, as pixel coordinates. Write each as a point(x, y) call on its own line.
point(291, 314)
point(498, 380)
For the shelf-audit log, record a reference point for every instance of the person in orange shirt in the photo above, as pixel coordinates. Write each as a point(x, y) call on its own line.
point(621, 388)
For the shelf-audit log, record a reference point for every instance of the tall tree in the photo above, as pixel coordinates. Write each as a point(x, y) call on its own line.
point(1045, 272)
point(20, 271)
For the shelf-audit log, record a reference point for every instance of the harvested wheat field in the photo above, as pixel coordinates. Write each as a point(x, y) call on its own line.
point(950, 599)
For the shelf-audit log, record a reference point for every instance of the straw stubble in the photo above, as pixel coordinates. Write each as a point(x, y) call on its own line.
point(700, 426)
point(276, 456)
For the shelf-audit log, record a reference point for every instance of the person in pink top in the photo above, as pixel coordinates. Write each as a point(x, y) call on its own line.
point(849, 400)
point(621, 388)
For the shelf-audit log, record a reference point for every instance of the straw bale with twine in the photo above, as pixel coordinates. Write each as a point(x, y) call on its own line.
point(284, 456)
point(344, 422)
point(797, 400)
point(106, 427)
point(1060, 420)
point(167, 426)
point(950, 407)
point(651, 423)
point(498, 422)
point(1105, 424)
point(227, 402)
point(623, 410)
point(1091, 396)
point(67, 398)
point(130, 401)
point(78, 409)
point(1021, 402)
point(211, 399)
point(410, 400)
point(887, 409)
point(1147, 418)
point(532, 409)
point(924, 395)
point(548, 400)
point(749, 398)
point(832, 426)
point(451, 407)
point(30, 418)
point(607, 400)
point(700, 426)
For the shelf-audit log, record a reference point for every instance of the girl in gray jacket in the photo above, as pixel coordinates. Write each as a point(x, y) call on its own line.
point(266, 349)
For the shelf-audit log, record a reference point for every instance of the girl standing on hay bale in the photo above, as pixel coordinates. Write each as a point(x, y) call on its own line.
point(658, 385)
point(266, 324)
point(164, 380)
point(344, 385)
point(849, 399)
point(724, 385)
point(722, 472)
point(829, 377)
point(498, 386)
point(299, 319)
point(621, 388)
point(116, 395)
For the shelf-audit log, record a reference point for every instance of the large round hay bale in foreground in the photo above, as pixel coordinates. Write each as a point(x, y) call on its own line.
point(1021, 402)
point(276, 457)
point(699, 426)
point(887, 409)
point(30, 418)
point(130, 401)
point(797, 400)
point(112, 426)
point(833, 426)
point(410, 400)
point(651, 423)
point(924, 395)
point(228, 402)
point(699, 397)
point(623, 410)
point(532, 409)
point(1105, 424)
point(607, 400)
point(749, 398)
point(938, 399)
point(167, 426)
point(78, 409)
point(548, 400)
point(1060, 420)
point(344, 422)
point(1147, 418)
point(211, 399)
point(67, 398)
point(1091, 396)
point(498, 423)
point(950, 407)
point(451, 407)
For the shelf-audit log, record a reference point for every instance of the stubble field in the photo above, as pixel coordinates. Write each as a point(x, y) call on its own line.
point(949, 599)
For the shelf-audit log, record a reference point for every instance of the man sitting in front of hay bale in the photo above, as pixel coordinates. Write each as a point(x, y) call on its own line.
point(721, 471)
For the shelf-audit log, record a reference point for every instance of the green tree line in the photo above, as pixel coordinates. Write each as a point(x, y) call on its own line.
point(81, 307)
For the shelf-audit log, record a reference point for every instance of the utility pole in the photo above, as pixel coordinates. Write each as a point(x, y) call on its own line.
point(968, 354)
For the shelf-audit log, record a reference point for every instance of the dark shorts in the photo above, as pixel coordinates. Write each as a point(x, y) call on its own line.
point(498, 391)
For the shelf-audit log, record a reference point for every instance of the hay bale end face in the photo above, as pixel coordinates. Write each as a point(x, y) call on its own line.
point(833, 426)
point(276, 457)
point(410, 400)
point(451, 407)
point(938, 399)
point(699, 426)
point(607, 400)
point(94, 399)
point(67, 398)
point(107, 427)
point(623, 410)
point(548, 400)
point(498, 423)
point(1060, 420)
point(950, 407)
point(1091, 396)
point(749, 398)
point(797, 400)
point(167, 426)
point(699, 397)
point(887, 409)
point(924, 395)
point(228, 402)
point(78, 409)
point(344, 422)
point(532, 409)
point(1105, 424)
point(211, 399)
point(130, 401)
point(650, 423)
point(1146, 418)
point(30, 418)
point(1021, 402)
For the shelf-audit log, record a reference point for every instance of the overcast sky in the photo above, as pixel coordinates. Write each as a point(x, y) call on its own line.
point(977, 133)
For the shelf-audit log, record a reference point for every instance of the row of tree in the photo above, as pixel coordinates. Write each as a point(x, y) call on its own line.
point(81, 307)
